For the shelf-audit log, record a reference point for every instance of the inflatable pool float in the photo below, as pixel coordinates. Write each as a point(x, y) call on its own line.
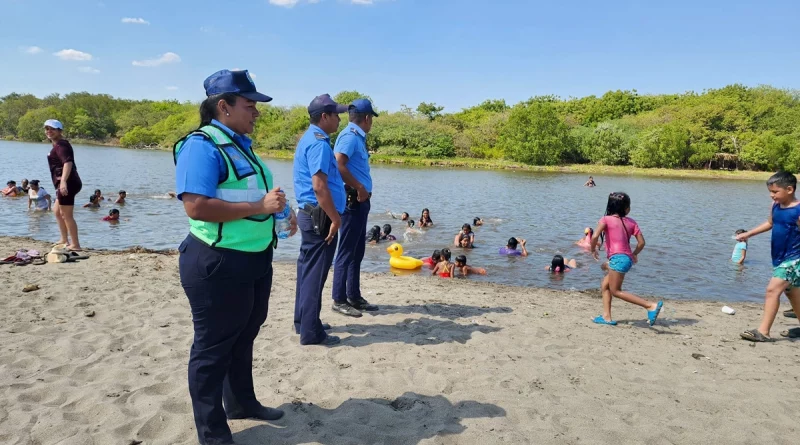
point(402, 262)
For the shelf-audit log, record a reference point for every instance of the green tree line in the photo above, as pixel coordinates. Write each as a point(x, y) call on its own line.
point(755, 128)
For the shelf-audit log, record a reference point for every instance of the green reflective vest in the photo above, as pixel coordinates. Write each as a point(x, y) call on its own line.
point(248, 180)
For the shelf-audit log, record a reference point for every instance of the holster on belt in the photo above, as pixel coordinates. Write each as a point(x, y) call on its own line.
point(352, 195)
point(320, 220)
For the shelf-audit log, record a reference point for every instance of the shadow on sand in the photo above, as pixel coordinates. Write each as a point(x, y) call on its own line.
point(422, 331)
point(407, 419)
point(443, 310)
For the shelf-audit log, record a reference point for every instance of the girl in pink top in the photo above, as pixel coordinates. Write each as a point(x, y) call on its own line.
point(618, 229)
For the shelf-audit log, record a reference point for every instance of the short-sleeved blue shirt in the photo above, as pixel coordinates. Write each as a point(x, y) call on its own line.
point(314, 155)
point(201, 168)
point(352, 142)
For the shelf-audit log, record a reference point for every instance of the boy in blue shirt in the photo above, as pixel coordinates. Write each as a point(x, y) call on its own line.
point(740, 249)
point(784, 222)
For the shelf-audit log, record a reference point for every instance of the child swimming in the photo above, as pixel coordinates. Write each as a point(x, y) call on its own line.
point(444, 268)
point(433, 259)
point(386, 233)
point(560, 265)
point(784, 222)
point(618, 229)
point(586, 241)
point(93, 203)
point(374, 235)
point(740, 249)
point(477, 221)
point(121, 198)
point(511, 247)
point(113, 216)
point(465, 238)
point(99, 195)
point(461, 266)
point(425, 219)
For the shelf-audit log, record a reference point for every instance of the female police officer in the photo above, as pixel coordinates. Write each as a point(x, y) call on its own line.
point(226, 261)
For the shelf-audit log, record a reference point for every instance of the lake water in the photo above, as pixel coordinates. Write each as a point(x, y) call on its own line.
point(688, 224)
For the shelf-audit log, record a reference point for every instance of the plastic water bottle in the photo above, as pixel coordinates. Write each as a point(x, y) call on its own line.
point(282, 225)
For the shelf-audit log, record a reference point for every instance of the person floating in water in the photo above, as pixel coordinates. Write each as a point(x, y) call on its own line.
point(425, 220)
point(113, 215)
point(403, 216)
point(560, 265)
point(477, 221)
point(461, 266)
point(386, 233)
point(618, 229)
point(586, 241)
point(784, 222)
point(590, 182)
point(11, 190)
point(94, 202)
point(444, 268)
point(433, 259)
point(511, 247)
point(465, 238)
point(740, 249)
point(99, 195)
point(121, 197)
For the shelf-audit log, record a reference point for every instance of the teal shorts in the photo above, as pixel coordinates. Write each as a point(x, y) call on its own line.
point(620, 263)
point(788, 271)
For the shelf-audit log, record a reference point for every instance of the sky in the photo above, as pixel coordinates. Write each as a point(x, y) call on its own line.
point(456, 53)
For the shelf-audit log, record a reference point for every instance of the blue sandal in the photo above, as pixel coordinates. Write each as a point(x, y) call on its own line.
point(600, 320)
point(652, 316)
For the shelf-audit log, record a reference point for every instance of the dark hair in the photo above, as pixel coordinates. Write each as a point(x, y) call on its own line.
point(123, 192)
point(446, 254)
point(422, 215)
point(113, 212)
point(404, 216)
point(410, 223)
point(740, 231)
point(92, 197)
point(96, 191)
point(437, 255)
point(34, 182)
point(314, 120)
point(387, 229)
point(11, 182)
point(512, 243)
point(466, 226)
point(557, 265)
point(374, 234)
point(475, 220)
point(461, 259)
point(618, 204)
point(356, 117)
point(783, 179)
point(208, 107)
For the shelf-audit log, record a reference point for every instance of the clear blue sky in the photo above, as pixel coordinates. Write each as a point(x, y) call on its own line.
point(454, 53)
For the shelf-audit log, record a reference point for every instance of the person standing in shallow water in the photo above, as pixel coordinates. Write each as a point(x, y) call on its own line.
point(226, 261)
point(353, 161)
point(66, 181)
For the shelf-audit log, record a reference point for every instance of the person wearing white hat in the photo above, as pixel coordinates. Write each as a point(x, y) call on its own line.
point(66, 181)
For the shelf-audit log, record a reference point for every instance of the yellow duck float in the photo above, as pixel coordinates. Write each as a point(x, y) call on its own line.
point(402, 262)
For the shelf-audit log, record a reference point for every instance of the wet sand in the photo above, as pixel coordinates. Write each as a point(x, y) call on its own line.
point(98, 355)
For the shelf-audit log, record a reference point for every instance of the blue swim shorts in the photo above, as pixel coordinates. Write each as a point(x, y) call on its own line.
point(620, 263)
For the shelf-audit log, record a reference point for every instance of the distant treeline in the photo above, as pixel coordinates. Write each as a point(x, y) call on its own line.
point(732, 127)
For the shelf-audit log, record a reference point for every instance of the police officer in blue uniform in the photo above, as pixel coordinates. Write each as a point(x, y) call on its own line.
point(353, 161)
point(226, 261)
point(321, 200)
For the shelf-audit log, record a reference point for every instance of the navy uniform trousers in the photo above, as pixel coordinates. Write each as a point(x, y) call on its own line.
point(228, 292)
point(313, 264)
point(352, 244)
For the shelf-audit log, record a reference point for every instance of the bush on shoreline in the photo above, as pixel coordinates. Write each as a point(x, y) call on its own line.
point(737, 127)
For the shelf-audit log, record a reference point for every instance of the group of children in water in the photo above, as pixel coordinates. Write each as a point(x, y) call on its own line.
point(97, 197)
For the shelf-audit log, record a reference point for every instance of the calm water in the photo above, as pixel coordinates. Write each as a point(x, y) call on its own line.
point(688, 224)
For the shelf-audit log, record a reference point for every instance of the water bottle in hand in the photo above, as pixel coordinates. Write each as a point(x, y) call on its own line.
point(282, 225)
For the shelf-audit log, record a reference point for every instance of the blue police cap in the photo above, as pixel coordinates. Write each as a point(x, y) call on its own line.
point(324, 104)
point(363, 106)
point(236, 82)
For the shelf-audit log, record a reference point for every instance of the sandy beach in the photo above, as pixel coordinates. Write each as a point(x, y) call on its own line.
point(98, 356)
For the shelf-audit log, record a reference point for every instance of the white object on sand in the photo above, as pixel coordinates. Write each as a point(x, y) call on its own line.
point(728, 310)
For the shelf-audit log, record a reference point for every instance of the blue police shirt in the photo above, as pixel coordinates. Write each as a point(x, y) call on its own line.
point(352, 142)
point(314, 155)
point(201, 168)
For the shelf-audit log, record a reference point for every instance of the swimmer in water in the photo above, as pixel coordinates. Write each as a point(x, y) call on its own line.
point(432, 260)
point(477, 221)
point(590, 182)
point(94, 202)
point(121, 198)
point(511, 247)
point(425, 220)
point(461, 266)
point(113, 216)
point(465, 238)
point(560, 265)
point(586, 241)
point(386, 233)
point(403, 216)
point(374, 235)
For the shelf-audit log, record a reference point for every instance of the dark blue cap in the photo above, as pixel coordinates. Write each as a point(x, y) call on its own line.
point(236, 82)
point(324, 104)
point(363, 106)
